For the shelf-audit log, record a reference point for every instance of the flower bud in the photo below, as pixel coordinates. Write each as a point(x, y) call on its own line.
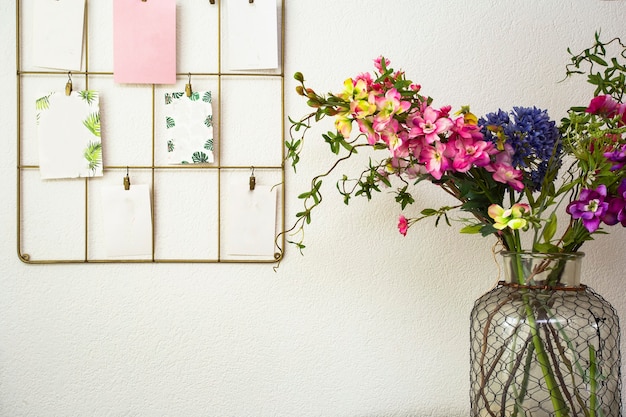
point(300, 90)
point(298, 76)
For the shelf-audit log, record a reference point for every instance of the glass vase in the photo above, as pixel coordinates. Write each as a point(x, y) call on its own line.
point(543, 344)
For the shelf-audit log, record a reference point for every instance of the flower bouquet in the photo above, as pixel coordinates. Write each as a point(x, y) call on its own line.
point(510, 173)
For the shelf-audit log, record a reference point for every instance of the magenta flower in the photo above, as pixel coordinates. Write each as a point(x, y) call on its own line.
point(607, 106)
point(590, 207)
point(616, 209)
point(403, 225)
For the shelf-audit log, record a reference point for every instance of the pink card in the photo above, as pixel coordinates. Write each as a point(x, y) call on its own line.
point(144, 41)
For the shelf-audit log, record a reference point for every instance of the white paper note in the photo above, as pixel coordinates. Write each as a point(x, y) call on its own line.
point(189, 128)
point(68, 130)
point(58, 33)
point(252, 34)
point(251, 225)
point(127, 221)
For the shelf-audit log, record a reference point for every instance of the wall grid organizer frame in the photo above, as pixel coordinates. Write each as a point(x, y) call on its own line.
point(79, 203)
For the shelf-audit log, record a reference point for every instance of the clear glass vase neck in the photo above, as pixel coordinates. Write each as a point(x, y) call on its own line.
point(550, 270)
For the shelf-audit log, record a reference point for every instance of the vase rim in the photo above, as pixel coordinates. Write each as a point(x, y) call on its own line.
point(544, 254)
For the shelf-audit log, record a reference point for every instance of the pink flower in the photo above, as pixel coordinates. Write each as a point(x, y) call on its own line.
point(466, 153)
point(389, 105)
point(378, 63)
point(403, 225)
point(434, 159)
point(506, 174)
point(365, 126)
point(466, 130)
point(363, 108)
point(429, 124)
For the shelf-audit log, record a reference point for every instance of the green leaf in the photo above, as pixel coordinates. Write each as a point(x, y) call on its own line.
point(598, 60)
point(92, 123)
point(88, 95)
point(93, 155)
point(471, 229)
point(545, 248)
point(207, 97)
point(200, 158)
point(428, 212)
point(169, 122)
point(43, 103)
point(550, 228)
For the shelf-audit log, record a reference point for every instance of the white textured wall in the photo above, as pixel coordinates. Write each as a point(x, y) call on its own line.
point(367, 323)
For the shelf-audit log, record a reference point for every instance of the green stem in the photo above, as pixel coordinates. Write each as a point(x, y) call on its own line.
point(558, 403)
point(593, 381)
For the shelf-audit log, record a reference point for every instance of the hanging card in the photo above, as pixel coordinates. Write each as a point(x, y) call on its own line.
point(251, 221)
point(127, 216)
point(252, 35)
point(68, 131)
point(58, 28)
point(189, 127)
point(144, 41)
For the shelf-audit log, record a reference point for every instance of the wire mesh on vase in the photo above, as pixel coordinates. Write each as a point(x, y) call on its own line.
point(542, 344)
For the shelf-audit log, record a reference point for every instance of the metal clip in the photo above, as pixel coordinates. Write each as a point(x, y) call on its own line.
point(252, 180)
point(188, 87)
point(68, 85)
point(127, 181)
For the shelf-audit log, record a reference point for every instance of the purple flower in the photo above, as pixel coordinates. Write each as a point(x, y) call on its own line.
point(616, 209)
point(618, 157)
point(534, 138)
point(590, 208)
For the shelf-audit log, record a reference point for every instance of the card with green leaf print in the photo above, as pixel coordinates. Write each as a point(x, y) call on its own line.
point(189, 127)
point(68, 131)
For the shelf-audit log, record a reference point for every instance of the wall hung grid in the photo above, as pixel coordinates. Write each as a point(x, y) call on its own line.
point(194, 207)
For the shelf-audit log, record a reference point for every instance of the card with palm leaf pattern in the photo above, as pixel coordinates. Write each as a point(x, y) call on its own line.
point(68, 131)
point(189, 128)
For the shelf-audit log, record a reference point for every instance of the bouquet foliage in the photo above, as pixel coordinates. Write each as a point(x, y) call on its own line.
point(509, 171)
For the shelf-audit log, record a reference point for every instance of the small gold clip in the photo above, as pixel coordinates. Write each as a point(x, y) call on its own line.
point(68, 85)
point(127, 181)
point(188, 87)
point(252, 180)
